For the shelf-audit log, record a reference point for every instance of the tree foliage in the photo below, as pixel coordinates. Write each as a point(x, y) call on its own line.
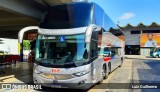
point(26, 44)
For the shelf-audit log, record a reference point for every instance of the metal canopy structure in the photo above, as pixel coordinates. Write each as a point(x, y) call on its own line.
point(17, 14)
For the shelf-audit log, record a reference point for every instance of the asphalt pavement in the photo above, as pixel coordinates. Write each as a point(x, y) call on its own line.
point(132, 72)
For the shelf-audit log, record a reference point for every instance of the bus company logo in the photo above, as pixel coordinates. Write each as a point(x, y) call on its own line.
point(54, 70)
point(6, 86)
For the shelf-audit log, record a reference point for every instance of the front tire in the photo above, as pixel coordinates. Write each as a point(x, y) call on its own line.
point(106, 72)
point(109, 68)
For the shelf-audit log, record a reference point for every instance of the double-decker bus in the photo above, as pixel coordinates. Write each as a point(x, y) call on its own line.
point(77, 46)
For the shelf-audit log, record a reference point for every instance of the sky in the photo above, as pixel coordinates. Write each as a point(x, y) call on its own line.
point(131, 11)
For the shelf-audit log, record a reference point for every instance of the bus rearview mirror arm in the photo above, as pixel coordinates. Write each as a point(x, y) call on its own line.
point(89, 32)
point(20, 39)
point(22, 31)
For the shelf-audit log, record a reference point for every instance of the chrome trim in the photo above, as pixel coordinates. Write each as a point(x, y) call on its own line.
point(56, 76)
point(89, 31)
point(62, 31)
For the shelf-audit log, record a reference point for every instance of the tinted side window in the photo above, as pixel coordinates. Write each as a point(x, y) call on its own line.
point(108, 24)
point(114, 51)
point(107, 51)
point(98, 15)
point(94, 49)
point(94, 45)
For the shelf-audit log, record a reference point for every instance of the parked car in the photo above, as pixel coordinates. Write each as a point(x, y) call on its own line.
point(155, 52)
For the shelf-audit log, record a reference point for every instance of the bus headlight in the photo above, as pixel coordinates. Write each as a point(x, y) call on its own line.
point(81, 73)
point(36, 71)
point(48, 76)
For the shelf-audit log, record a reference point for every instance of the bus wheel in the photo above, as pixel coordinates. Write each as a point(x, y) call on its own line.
point(109, 68)
point(105, 72)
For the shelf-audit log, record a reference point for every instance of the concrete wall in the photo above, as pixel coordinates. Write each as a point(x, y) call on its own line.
point(131, 39)
point(134, 39)
point(145, 51)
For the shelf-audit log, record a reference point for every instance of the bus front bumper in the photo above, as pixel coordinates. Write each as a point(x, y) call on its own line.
point(82, 82)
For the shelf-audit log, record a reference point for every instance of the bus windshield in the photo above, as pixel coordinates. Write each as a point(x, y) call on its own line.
point(61, 50)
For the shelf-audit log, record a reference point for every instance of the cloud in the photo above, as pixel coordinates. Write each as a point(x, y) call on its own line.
point(126, 16)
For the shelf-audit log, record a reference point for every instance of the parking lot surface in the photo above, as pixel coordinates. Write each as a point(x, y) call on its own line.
point(133, 70)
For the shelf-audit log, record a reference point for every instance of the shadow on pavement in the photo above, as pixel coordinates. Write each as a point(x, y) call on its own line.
point(156, 59)
point(22, 71)
point(148, 73)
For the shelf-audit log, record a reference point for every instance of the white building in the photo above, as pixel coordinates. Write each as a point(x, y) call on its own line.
point(134, 39)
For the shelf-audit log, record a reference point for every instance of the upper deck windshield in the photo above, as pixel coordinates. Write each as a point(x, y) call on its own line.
point(61, 50)
point(67, 16)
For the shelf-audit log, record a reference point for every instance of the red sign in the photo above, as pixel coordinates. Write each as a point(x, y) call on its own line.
point(106, 59)
point(32, 35)
point(55, 70)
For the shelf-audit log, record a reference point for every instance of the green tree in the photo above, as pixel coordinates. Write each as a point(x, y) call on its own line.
point(26, 44)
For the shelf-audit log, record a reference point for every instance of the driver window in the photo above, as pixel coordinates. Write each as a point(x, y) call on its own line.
point(94, 49)
point(94, 45)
